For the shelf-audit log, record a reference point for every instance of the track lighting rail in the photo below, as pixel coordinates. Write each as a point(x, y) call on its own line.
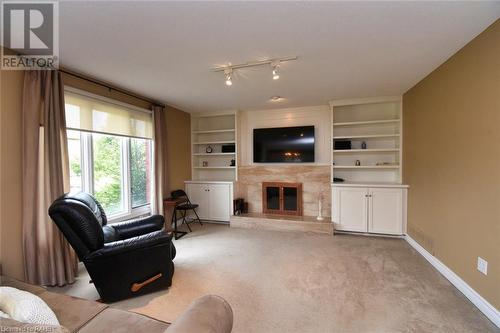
point(253, 64)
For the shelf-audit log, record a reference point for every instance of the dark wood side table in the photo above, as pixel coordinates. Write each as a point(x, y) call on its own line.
point(169, 213)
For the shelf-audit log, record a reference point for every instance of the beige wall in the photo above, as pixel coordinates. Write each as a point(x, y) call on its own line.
point(10, 173)
point(452, 162)
point(178, 126)
point(179, 147)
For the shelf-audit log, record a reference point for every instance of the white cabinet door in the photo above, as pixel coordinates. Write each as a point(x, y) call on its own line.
point(199, 194)
point(219, 203)
point(386, 211)
point(350, 208)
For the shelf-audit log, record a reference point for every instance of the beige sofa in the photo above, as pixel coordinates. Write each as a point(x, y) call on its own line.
point(208, 314)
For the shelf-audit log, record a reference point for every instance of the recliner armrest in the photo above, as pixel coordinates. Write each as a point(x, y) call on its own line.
point(138, 227)
point(131, 244)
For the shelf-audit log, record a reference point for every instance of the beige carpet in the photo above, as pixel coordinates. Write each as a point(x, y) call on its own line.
point(293, 282)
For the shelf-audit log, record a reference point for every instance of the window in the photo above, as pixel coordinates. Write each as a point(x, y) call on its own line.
point(140, 172)
point(108, 164)
point(116, 169)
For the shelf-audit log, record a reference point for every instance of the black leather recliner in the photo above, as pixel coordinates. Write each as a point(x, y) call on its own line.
point(123, 259)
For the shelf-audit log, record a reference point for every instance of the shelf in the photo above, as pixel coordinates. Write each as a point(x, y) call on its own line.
point(213, 154)
point(213, 142)
point(366, 167)
point(347, 151)
point(216, 167)
point(369, 122)
point(373, 136)
point(215, 131)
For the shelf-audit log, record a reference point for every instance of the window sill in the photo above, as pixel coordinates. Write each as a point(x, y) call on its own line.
point(137, 212)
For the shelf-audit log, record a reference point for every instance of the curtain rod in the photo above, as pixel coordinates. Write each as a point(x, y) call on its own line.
point(103, 84)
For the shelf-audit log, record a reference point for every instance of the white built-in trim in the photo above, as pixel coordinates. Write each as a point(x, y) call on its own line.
point(370, 184)
point(208, 182)
point(483, 305)
point(365, 100)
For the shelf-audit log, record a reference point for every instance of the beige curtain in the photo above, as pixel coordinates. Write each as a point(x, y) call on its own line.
point(48, 258)
point(160, 158)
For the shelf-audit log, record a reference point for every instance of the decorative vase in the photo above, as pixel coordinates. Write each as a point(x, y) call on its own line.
point(363, 145)
point(320, 208)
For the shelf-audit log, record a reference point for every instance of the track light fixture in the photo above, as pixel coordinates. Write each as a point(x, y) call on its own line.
point(275, 64)
point(228, 72)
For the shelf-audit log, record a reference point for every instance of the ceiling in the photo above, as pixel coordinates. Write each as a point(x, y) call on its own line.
point(164, 50)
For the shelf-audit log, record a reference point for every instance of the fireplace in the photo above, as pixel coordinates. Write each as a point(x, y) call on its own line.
point(282, 198)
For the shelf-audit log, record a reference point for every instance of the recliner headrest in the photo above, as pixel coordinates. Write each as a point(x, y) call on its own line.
point(80, 218)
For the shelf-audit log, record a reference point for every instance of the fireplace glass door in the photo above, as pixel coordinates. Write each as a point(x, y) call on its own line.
point(282, 198)
point(290, 199)
point(273, 197)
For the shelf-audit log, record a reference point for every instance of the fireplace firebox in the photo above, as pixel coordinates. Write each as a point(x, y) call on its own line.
point(282, 198)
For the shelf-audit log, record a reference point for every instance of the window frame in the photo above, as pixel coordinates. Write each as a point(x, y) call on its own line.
point(87, 176)
point(87, 161)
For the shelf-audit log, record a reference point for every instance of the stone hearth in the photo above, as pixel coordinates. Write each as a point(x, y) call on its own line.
point(282, 223)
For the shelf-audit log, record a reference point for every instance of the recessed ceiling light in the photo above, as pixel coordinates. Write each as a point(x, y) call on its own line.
point(276, 99)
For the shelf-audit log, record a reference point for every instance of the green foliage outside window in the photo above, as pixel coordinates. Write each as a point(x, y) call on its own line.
point(75, 167)
point(107, 172)
point(138, 173)
point(108, 180)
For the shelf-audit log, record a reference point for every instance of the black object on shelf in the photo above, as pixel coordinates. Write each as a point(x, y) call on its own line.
point(238, 206)
point(228, 148)
point(342, 144)
point(338, 180)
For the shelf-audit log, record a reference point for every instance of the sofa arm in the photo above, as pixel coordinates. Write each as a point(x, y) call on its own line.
point(207, 314)
point(139, 226)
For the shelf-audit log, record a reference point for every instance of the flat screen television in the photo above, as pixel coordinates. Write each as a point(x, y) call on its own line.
point(283, 145)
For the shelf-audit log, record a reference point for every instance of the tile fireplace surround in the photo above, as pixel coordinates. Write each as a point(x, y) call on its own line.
point(315, 182)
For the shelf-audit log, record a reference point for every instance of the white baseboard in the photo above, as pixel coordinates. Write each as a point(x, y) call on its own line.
point(483, 305)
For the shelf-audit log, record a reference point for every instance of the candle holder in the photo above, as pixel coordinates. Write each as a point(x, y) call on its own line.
point(320, 208)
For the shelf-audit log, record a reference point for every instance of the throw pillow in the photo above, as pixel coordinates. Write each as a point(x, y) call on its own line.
point(25, 307)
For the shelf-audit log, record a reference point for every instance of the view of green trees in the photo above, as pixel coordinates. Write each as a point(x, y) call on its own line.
point(107, 155)
point(138, 171)
point(107, 172)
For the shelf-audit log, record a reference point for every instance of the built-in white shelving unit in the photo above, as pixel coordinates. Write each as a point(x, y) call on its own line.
point(214, 131)
point(377, 123)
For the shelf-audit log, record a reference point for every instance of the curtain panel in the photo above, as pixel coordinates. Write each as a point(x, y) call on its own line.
point(48, 258)
point(160, 158)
